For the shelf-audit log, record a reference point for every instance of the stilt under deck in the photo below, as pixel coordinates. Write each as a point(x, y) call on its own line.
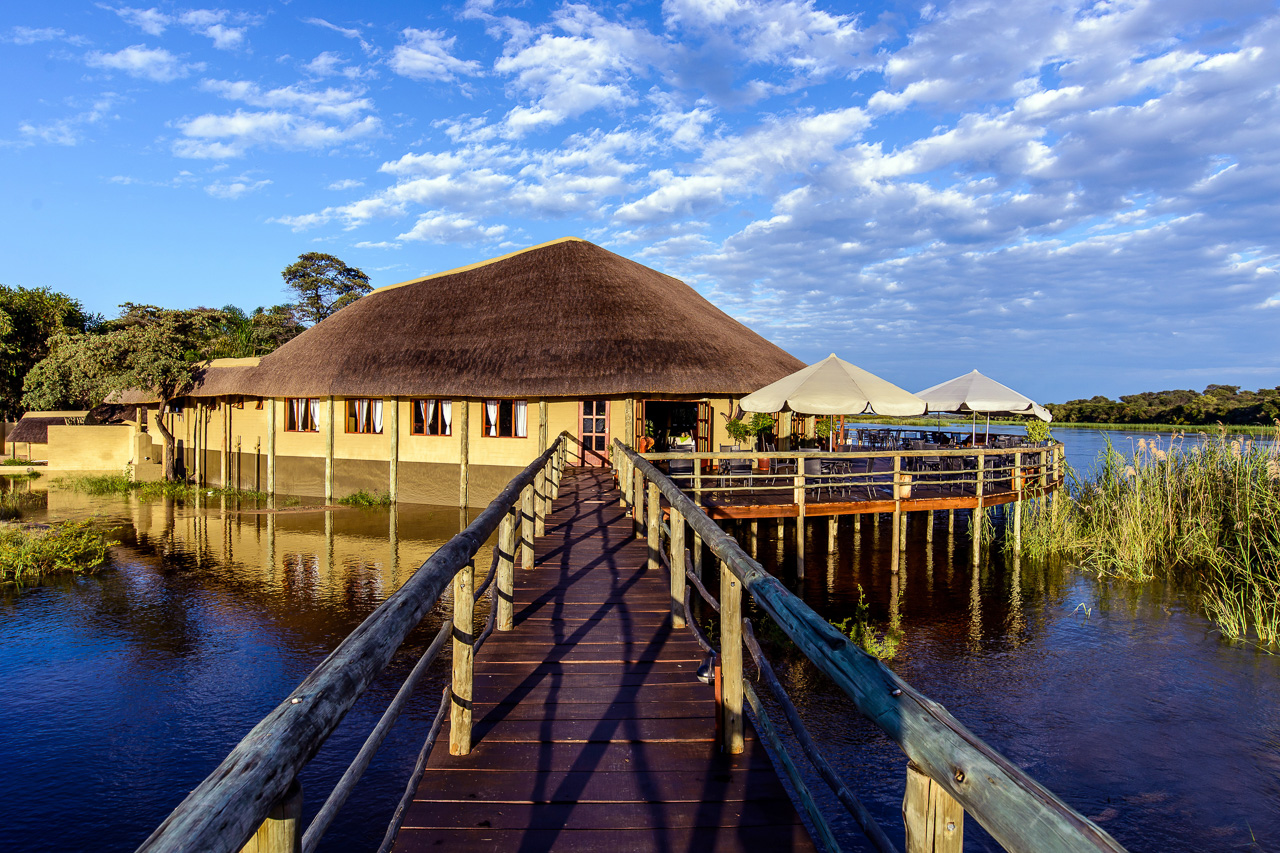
point(591, 730)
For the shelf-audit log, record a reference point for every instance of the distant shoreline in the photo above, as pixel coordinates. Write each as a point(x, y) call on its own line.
point(1245, 429)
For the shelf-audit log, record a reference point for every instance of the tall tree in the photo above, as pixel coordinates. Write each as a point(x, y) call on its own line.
point(29, 318)
point(157, 351)
point(324, 285)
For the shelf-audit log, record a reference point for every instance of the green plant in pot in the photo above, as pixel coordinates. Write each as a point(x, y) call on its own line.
point(738, 430)
point(1038, 431)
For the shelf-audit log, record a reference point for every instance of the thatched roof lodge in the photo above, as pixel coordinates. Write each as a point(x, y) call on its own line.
point(464, 367)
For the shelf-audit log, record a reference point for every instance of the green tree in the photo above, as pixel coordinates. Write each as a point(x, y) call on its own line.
point(156, 351)
point(324, 285)
point(29, 318)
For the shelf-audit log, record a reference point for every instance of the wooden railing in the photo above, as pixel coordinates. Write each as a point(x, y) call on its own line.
point(950, 768)
point(253, 798)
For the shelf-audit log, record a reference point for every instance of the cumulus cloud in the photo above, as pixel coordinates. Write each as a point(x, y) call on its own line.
point(212, 23)
point(341, 104)
point(235, 187)
point(156, 64)
point(225, 136)
point(428, 55)
point(440, 227)
point(35, 35)
point(345, 184)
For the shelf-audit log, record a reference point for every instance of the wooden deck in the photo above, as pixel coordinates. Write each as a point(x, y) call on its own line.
point(592, 731)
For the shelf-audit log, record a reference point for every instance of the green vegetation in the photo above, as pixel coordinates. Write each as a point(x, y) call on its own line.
point(1244, 429)
point(858, 628)
point(29, 319)
point(27, 554)
point(13, 503)
point(1204, 510)
point(1217, 404)
point(324, 285)
point(366, 499)
point(20, 463)
point(110, 484)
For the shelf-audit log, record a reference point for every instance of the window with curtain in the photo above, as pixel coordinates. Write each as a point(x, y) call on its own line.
point(301, 414)
point(364, 416)
point(432, 417)
point(506, 418)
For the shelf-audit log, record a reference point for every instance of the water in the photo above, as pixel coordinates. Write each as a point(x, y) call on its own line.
point(123, 690)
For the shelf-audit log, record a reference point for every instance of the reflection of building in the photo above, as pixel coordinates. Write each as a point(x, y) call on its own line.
point(474, 370)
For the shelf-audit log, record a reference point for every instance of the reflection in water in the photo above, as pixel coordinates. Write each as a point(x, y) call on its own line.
point(137, 681)
point(1139, 716)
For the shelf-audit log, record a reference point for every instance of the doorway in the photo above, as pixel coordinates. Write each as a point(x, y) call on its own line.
point(666, 420)
point(593, 417)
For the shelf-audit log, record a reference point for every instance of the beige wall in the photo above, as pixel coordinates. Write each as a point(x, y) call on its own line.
point(90, 448)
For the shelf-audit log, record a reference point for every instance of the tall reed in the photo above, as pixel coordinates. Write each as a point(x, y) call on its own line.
point(1205, 507)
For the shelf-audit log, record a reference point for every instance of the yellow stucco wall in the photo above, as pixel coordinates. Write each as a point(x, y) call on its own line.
point(90, 448)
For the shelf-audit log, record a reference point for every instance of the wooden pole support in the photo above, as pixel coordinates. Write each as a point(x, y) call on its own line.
point(506, 573)
point(799, 499)
point(463, 660)
point(731, 661)
point(526, 527)
point(392, 407)
point(654, 524)
point(677, 569)
point(896, 541)
point(934, 820)
point(697, 554)
point(928, 533)
point(637, 508)
point(271, 452)
point(979, 517)
point(280, 832)
point(1017, 505)
point(328, 452)
point(463, 410)
point(831, 533)
point(540, 503)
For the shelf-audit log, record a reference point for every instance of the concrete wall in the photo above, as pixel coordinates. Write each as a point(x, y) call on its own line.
point(90, 448)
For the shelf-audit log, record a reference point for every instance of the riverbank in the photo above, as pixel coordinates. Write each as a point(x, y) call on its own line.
point(1206, 429)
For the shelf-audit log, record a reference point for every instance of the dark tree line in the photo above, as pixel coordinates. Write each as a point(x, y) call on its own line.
point(1226, 404)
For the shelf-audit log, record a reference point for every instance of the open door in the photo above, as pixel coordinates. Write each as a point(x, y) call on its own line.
point(702, 438)
point(637, 431)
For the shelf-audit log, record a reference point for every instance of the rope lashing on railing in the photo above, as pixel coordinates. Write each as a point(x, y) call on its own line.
point(855, 807)
point(340, 792)
point(493, 604)
point(397, 819)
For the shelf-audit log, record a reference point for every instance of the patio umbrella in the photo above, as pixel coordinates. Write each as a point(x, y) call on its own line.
point(833, 386)
point(976, 393)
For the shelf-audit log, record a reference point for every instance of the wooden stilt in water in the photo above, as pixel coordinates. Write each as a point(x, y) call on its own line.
point(951, 523)
point(328, 454)
point(979, 518)
point(392, 406)
point(896, 546)
point(755, 536)
point(831, 533)
point(934, 820)
point(928, 533)
point(271, 452)
point(799, 499)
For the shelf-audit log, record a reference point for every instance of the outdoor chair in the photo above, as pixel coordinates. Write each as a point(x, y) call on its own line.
point(733, 468)
point(681, 470)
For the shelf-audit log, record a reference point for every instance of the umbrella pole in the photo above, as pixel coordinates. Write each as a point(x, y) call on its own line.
point(973, 431)
point(986, 439)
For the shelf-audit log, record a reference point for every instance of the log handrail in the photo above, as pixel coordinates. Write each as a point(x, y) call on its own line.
point(1019, 813)
point(226, 809)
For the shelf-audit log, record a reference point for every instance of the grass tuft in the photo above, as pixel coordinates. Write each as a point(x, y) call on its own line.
point(366, 499)
point(27, 554)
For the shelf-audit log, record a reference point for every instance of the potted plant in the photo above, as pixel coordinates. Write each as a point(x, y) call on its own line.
point(760, 425)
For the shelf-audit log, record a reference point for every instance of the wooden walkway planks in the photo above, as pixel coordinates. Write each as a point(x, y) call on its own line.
point(592, 731)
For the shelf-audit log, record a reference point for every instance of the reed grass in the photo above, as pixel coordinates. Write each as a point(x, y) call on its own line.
point(27, 554)
point(107, 484)
point(1205, 510)
point(366, 499)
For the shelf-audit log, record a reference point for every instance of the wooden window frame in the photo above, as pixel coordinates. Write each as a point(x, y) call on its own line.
point(502, 404)
point(350, 420)
point(288, 413)
point(437, 416)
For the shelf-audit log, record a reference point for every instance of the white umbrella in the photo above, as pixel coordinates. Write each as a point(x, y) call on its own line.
point(976, 393)
point(833, 386)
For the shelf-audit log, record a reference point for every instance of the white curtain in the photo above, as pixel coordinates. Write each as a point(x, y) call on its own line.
point(314, 405)
point(362, 415)
point(446, 415)
point(425, 413)
point(377, 416)
point(522, 419)
point(297, 405)
point(491, 411)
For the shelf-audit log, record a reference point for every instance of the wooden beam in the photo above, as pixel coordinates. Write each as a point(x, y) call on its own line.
point(330, 417)
point(654, 533)
point(731, 661)
point(934, 820)
point(526, 527)
point(461, 689)
point(393, 455)
point(676, 562)
point(462, 413)
point(271, 452)
point(281, 831)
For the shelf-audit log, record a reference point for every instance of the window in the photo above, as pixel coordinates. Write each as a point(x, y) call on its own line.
point(364, 416)
point(258, 405)
point(175, 408)
point(301, 414)
point(236, 402)
point(506, 418)
point(432, 417)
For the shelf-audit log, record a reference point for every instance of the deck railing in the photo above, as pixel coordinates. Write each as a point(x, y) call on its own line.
point(254, 798)
point(949, 769)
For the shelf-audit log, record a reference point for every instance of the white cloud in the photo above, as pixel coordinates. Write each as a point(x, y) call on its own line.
point(235, 187)
point(440, 227)
point(69, 131)
point(211, 23)
point(144, 63)
point(223, 136)
point(344, 104)
point(428, 55)
point(151, 21)
point(345, 184)
point(34, 35)
point(348, 32)
point(384, 244)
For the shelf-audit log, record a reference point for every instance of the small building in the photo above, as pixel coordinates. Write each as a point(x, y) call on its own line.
point(476, 368)
point(29, 438)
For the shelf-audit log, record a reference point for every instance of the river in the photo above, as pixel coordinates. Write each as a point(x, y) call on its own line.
point(122, 690)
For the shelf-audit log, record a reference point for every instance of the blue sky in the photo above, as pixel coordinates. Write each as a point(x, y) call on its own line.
point(1073, 197)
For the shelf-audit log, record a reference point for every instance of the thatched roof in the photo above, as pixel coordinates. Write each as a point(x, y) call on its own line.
point(564, 319)
point(33, 427)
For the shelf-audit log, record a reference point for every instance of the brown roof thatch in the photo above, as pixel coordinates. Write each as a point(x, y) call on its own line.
point(564, 319)
point(215, 378)
point(33, 427)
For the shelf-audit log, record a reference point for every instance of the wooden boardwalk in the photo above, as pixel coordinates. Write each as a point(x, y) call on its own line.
point(591, 729)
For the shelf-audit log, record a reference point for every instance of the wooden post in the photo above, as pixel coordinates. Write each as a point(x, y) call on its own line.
point(655, 526)
point(1017, 503)
point(831, 533)
point(506, 572)
point(540, 502)
point(697, 555)
point(697, 480)
point(677, 568)
point(280, 832)
point(393, 457)
point(755, 537)
point(934, 820)
point(328, 454)
point(271, 452)
point(731, 661)
point(637, 508)
point(928, 533)
point(463, 660)
point(897, 514)
point(628, 430)
point(542, 427)
point(951, 523)
point(224, 464)
point(979, 517)
point(463, 409)
point(798, 495)
point(526, 527)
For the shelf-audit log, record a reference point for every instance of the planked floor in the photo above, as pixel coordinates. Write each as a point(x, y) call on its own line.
point(592, 731)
